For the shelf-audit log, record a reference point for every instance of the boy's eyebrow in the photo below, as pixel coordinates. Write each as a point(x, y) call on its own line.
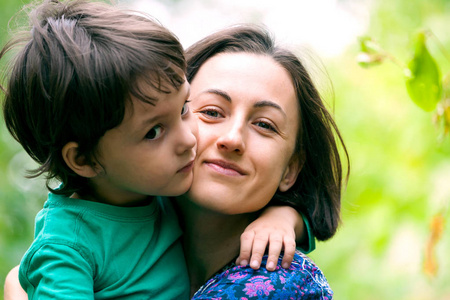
point(153, 119)
point(148, 121)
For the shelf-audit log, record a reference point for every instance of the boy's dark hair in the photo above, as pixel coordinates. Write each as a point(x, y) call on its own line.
point(77, 69)
point(317, 190)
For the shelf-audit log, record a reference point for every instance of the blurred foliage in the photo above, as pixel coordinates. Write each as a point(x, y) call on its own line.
point(394, 240)
point(19, 199)
point(425, 88)
point(422, 75)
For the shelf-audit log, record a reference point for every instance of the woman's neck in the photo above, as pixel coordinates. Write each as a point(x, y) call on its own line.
point(210, 240)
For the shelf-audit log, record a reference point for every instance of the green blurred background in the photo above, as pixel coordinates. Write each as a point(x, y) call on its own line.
point(400, 176)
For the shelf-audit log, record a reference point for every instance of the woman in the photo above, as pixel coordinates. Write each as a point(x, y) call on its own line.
point(263, 132)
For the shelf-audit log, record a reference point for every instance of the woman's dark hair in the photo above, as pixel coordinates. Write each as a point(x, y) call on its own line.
point(317, 191)
point(77, 66)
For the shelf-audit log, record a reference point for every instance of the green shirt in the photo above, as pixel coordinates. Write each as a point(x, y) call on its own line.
point(310, 245)
point(90, 250)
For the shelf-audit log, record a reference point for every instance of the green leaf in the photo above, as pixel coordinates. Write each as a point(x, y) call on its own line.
point(366, 60)
point(371, 53)
point(368, 45)
point(423, 79)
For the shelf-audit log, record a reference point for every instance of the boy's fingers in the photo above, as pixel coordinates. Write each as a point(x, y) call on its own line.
point(289, 251)
point(275, 246)
point(259, 247)
point(246, 248)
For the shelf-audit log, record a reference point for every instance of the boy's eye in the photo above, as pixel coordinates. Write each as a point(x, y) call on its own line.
point(154, 133)
point(185, 108)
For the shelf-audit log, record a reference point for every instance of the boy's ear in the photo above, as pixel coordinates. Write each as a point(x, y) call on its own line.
point(79, 164)
point(291, 173)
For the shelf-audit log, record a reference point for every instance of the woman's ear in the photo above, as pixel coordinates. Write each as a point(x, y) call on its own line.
point(79, 164)
point(291, 173)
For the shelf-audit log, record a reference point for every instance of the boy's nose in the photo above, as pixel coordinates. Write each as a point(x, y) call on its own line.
point(187, 139)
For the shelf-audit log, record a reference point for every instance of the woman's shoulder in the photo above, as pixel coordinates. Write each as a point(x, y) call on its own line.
point(302, 280)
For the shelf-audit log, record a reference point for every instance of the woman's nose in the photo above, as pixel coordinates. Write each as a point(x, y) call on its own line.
point(232, 140)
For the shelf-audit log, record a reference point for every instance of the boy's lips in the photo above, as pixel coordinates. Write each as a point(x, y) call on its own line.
point(187, 168)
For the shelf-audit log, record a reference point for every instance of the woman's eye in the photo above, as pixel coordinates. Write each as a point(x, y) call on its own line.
point(210, 113)
point(154, 133)
point(265, 125)
point(185, 108)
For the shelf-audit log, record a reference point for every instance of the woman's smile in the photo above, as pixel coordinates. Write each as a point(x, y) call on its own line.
point(225, 168)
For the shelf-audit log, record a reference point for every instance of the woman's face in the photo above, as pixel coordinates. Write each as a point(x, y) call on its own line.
point(248, 118)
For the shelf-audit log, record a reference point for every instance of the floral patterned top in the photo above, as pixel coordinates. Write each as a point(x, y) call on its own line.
point(303, 280)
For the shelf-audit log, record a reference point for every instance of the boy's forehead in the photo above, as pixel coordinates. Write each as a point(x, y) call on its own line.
point(155, 96)
point(156, 89)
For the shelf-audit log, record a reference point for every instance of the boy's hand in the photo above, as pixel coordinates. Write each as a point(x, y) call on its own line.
point(275, 228)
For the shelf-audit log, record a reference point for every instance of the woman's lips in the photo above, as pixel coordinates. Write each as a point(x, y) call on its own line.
point(225, 167)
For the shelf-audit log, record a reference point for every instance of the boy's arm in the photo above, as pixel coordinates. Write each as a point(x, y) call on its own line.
point(56, 271)
point(280, 227)
point(12, 289)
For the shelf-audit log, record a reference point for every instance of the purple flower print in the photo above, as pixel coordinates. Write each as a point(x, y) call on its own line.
point(258, 286)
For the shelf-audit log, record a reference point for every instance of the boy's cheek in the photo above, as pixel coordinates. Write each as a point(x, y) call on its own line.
point(193, 123)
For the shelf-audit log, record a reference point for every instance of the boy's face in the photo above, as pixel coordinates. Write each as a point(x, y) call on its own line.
point(150, 153)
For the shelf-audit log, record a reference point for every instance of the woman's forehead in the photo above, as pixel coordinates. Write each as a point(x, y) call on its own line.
point(253, 75)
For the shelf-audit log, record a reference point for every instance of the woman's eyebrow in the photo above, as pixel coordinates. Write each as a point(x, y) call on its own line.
point(264, 103)
point(218, 92)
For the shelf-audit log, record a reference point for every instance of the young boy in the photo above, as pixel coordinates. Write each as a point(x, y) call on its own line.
point(97, 96)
